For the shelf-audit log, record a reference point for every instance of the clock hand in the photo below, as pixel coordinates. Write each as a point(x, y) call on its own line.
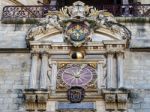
point(69, 73)
point(82, 66)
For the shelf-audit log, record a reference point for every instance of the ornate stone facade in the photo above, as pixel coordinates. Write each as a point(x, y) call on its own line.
point(77, 46)
point(78, 24)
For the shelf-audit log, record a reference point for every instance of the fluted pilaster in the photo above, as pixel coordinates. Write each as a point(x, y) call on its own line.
point(33, 75)
point(53, 77)
point(110, 70)
point(100, 76)
point(120, 69)
point(44, 71)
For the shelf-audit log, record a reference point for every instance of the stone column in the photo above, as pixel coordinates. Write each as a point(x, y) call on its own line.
point(53, 77)
point(110, 70)
point(100, 76)
point(44, 70)
point(120, 69)
point(33, 75)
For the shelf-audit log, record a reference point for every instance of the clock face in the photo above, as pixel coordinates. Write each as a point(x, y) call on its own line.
point(77, 75)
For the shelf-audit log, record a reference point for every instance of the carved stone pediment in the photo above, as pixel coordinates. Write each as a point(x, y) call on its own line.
point(77, 24)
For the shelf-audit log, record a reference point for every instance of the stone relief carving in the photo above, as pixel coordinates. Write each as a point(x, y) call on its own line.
point(110, 98)
point(79, 12)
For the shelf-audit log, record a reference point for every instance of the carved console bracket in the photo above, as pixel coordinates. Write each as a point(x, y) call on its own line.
point(35, 100)
point(41, 100)
point(115, 99)
point(30, 100)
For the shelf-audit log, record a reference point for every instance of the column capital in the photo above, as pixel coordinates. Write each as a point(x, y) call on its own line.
point(34, 53)
point(54, 62)
point(110, 54)
point(120, 52)
point(34, 67)
point(44, 53)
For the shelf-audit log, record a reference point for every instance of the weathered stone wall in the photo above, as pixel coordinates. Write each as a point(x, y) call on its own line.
point(137, 70)
point(139, 100)
point(139, 31)
point(14, 75)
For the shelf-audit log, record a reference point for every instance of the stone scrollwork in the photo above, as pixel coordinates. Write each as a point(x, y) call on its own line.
point(81, 15)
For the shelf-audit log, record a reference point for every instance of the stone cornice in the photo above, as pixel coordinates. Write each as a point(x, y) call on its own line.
point(90, 47)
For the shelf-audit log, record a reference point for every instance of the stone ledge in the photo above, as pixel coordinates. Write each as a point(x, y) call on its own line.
point(133, 19)
point(35, 20)
point(20, 21)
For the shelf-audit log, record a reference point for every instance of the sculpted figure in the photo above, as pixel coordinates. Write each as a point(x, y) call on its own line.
point(79, 12)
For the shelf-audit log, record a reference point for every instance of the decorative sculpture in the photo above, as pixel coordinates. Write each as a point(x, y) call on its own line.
point(77, 23)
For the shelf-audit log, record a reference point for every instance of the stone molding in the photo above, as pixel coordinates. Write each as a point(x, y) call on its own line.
point(36, 100)
point(115, 99)
point(90, 48)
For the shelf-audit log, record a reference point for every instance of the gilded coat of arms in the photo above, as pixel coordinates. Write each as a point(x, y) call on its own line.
point(77, 33)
